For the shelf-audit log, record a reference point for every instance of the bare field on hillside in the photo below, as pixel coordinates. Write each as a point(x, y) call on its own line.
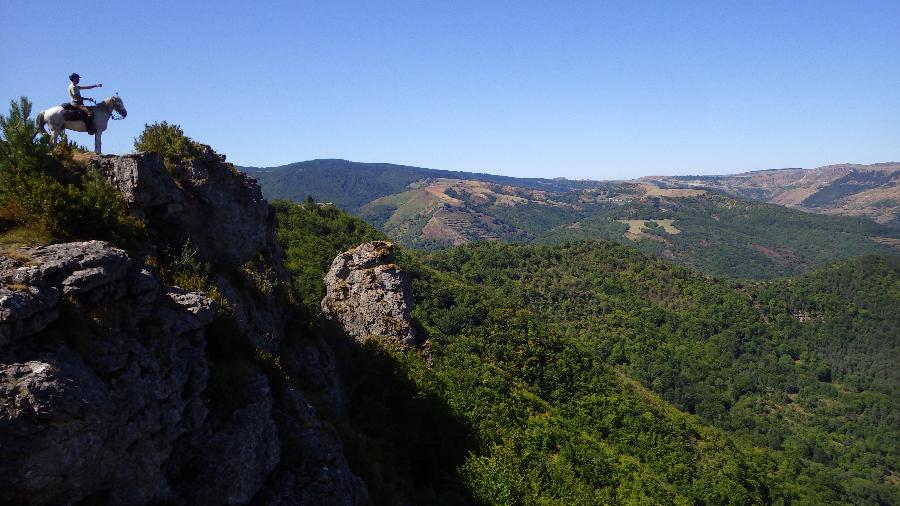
point(890, 241)
point(652, 190)
point(636, 228)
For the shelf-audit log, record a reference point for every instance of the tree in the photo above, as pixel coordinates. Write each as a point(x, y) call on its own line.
point(17, 132)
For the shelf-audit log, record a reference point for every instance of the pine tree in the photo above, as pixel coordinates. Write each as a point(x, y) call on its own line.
point(18, 148)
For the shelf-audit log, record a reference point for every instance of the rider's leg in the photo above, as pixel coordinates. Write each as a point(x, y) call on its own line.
point(89, 118)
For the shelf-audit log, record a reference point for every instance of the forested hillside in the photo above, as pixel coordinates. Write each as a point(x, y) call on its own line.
point(723, 236)
point(592, 374)
point(350, 185)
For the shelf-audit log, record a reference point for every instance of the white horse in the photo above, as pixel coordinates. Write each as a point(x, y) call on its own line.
point(55, 117)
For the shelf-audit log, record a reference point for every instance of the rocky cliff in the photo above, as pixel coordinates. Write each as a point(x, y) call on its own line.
point(207, 205)
point(118, 387)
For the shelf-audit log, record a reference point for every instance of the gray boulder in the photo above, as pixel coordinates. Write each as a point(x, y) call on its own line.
point(313, 469)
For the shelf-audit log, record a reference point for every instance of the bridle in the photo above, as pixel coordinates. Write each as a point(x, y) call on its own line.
point(113, 113)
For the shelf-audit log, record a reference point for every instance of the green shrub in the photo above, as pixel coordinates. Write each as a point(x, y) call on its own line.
point(167, 140)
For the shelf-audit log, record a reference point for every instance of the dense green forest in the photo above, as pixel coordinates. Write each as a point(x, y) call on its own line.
point(724, 236)
point(593, 374)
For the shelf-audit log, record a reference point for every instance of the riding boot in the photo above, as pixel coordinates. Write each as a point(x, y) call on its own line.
point(88, 118)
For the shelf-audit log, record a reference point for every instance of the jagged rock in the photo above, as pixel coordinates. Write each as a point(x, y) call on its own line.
point(314, 363)
point(200, 309)
point(221, 210)
point(370, 296)
point(258, 313)
point(92, 408)
point(76, 267)
point(105, 376)
point(229, 462)
point(313, 470)
point(222, 214)
point(32, 284)
point(144, 182)
point(25, 310)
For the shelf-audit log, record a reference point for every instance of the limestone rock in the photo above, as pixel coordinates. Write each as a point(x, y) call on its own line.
point(77, 267)
point(25, 310)
point(370, 296)
point(229, 461)
point(93, 399)
point(222, 214)
point(31, 285)
point(220, 209)
point(106, 379)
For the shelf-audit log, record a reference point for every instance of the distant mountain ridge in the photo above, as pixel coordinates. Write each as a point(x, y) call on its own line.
point(707, 229)
point(871, 191)
point(351, 185)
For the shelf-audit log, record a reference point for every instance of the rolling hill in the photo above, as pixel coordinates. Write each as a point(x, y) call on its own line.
point(707, 230)
point(350, 185)
point(871, 191)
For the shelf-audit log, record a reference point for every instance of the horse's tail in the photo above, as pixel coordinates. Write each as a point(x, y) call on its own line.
point(40, 124)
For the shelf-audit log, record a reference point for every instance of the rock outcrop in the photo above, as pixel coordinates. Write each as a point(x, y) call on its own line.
point(114, 386)
point(370, 296)
point(221, 210)
point(102, 380)
point(205, 205)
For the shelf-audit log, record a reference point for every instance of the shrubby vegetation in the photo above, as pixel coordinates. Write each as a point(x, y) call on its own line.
point(168, 140)
point(51, 193)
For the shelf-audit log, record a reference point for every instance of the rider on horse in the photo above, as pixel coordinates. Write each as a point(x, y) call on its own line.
point(78, 102)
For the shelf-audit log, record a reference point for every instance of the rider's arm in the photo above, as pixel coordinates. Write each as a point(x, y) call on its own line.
point(90, 86)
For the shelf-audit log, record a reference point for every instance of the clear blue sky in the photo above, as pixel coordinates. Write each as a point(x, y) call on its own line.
point(589, 89)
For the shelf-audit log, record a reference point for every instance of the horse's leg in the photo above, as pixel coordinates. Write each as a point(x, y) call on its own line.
point(97, 142)
point(54, 136)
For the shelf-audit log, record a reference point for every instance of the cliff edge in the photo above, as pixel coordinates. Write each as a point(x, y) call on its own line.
point(150, 376)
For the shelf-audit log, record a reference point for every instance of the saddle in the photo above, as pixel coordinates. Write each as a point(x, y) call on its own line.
point(73, 113)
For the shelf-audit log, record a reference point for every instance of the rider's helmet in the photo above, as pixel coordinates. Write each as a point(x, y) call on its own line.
point(73, 76)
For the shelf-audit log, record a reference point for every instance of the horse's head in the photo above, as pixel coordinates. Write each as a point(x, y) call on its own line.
point(118, 105)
